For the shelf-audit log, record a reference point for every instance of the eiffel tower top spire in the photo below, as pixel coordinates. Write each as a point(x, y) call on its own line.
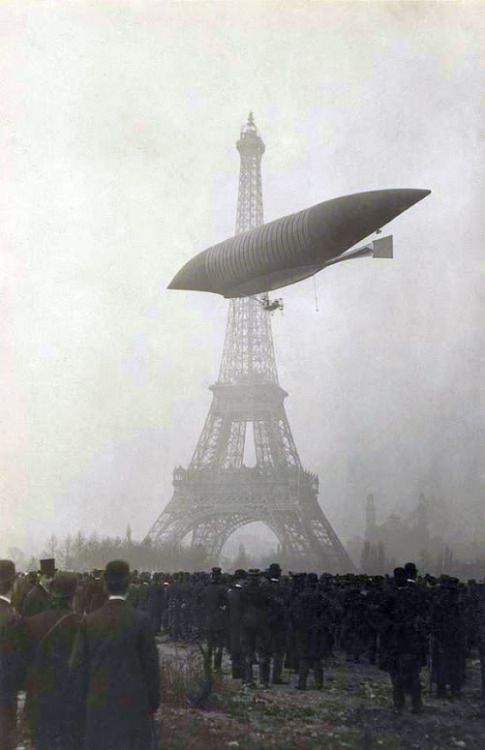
point(250, 198)
point(248, 355)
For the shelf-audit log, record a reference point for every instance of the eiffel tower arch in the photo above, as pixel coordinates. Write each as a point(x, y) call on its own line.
point(217, 493)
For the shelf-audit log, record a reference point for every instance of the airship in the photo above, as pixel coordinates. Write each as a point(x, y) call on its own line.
point(297, 246)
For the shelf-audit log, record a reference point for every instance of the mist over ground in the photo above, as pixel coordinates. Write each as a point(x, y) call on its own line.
point(118, 163)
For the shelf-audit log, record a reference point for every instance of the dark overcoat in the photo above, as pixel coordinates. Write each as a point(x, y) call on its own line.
point(116, 660)
point(54, 704)
point(313, 623)
point(12, 671)
point(37, 600)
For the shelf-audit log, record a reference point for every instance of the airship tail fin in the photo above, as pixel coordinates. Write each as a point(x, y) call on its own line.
point(382, 248)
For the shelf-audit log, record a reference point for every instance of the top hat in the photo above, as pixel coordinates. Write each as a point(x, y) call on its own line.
point(48, 567)
point(7, 571)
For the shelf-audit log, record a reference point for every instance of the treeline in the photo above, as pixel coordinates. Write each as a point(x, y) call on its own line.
point(80, 552)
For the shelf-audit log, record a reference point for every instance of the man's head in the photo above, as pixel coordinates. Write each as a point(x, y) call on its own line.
point(254, 577)
point(47, 568)
point(274, 572)
point(411, 571)
point(64, 585)
point(216, 574)
point(7, 576)
point(117, 577)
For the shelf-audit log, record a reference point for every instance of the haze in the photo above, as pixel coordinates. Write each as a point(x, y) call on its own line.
point(118, 163)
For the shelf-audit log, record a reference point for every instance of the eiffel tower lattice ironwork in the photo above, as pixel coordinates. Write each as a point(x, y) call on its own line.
point(217, 493)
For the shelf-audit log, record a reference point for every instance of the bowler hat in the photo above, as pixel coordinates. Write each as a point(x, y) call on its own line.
point(117, 571)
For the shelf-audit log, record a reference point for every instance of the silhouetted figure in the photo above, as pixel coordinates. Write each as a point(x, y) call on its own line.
point(403, 640)
point(38, 598)
point(12, 657)
point(255, 632)
point(214, 598)
point(449, 638)
point(234, 598)
point(116, 659)
point(54, 704)
point(313, 620)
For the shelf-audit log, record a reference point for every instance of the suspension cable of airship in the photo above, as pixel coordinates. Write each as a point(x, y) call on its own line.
point(315, 293)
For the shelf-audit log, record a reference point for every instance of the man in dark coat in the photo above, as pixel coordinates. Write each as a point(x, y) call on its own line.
point(255, 631)
point(116, 659)
point(53, 704)
point(234, 641)
point(12, 657)
point(38, 598)
point(448, 630)
point(481, 637)
point(156, 597)
point(214, 598)
point(96, 592)
point(278, 621)
point(403, 639)
point(313, 622)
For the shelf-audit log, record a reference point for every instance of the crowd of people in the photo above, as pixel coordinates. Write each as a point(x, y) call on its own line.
point(82, 646)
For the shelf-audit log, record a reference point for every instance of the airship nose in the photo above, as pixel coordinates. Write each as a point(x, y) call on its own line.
point(193, 275)
point(344, 221)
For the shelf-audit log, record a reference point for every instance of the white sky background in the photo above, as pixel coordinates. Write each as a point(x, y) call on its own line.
point(118, 124)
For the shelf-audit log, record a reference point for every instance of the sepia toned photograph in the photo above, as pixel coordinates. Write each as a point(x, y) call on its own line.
point(242, 501)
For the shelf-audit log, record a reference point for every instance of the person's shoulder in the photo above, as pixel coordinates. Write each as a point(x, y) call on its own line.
point(7, 614)
point(98, 614)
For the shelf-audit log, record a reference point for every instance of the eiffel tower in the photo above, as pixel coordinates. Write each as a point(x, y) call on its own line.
point(218, 493)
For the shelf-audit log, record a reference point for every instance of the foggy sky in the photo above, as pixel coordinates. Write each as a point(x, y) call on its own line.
point(118, 124)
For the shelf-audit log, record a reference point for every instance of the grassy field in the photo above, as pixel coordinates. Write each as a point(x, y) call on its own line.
point(352, 711)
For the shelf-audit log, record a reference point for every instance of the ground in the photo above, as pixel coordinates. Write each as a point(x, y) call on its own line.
point(352, 711)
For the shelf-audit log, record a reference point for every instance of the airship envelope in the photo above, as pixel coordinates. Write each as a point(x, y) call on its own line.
point(290, 249)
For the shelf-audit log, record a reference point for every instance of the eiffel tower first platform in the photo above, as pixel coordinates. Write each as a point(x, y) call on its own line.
point(217, 493)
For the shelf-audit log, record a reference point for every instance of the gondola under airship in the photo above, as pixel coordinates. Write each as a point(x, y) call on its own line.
point(297, 246)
